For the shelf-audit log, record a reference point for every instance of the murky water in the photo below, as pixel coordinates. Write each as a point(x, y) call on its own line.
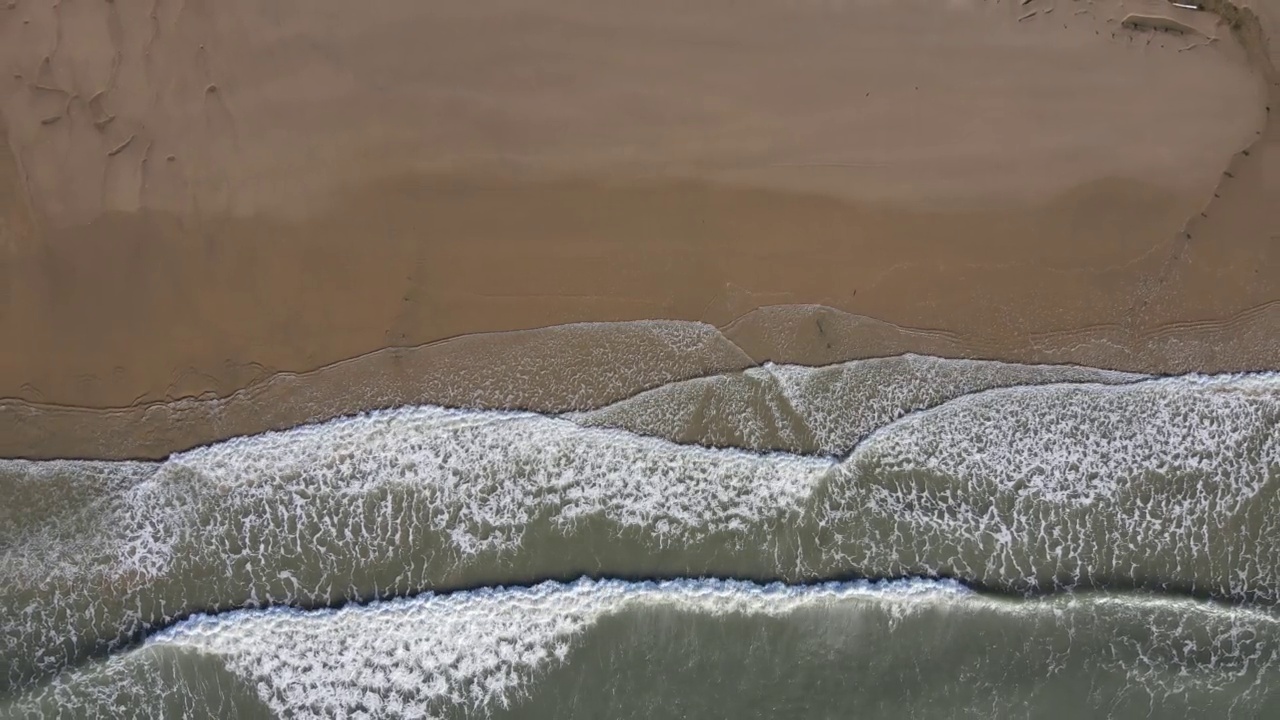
point(1116, 537)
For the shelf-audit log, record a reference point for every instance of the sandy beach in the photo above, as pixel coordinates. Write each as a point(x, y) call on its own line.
point(217, 219)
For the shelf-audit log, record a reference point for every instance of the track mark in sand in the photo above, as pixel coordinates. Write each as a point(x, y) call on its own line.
point(1194, 45)
point(117, 58)
point(120, 148)
point(222, 138)
point(45, 80)
point(122, 179)
point(87, 380)
point(1244, 317)
point(1028, 16)
point(48, 99)
point(142, 169)
point(57, 27)
point(219, 120)
point(822, 332)
point(1152, 287)
point(115, 33)
point(1244, 28)
point(1140, 21)
point(218, 116)
point(33, 391)
point(154, 22)
point(101, 118)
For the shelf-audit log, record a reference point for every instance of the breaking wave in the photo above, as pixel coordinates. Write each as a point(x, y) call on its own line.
point(1157, 484)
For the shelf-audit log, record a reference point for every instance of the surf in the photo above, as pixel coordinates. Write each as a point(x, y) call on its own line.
point(1157, 484)
point(724, 648)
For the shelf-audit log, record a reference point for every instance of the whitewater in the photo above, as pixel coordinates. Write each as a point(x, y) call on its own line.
point(1001, 486)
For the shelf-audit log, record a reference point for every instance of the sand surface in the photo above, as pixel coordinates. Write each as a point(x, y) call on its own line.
point(249, 201)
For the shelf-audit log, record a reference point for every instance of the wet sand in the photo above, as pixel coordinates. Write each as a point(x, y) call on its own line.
point(252, 203)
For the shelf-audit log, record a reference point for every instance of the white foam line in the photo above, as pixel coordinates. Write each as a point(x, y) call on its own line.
point(499, 470)
point(1058, 443)
point(839, 405)
point(415, 657)
point(483, 648)
point(988, 486)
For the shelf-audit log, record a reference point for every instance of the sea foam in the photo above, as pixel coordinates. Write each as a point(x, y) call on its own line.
point(470, 654)
point(1164, 483)
point(819, 410)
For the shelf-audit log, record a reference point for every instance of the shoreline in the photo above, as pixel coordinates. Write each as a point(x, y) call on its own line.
point(574, 370)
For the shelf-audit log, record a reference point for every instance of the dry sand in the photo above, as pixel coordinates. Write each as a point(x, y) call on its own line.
point(248, 200)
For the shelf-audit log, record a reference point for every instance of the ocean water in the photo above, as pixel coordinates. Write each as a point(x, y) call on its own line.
point(1053, 542)
point(695, 648)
